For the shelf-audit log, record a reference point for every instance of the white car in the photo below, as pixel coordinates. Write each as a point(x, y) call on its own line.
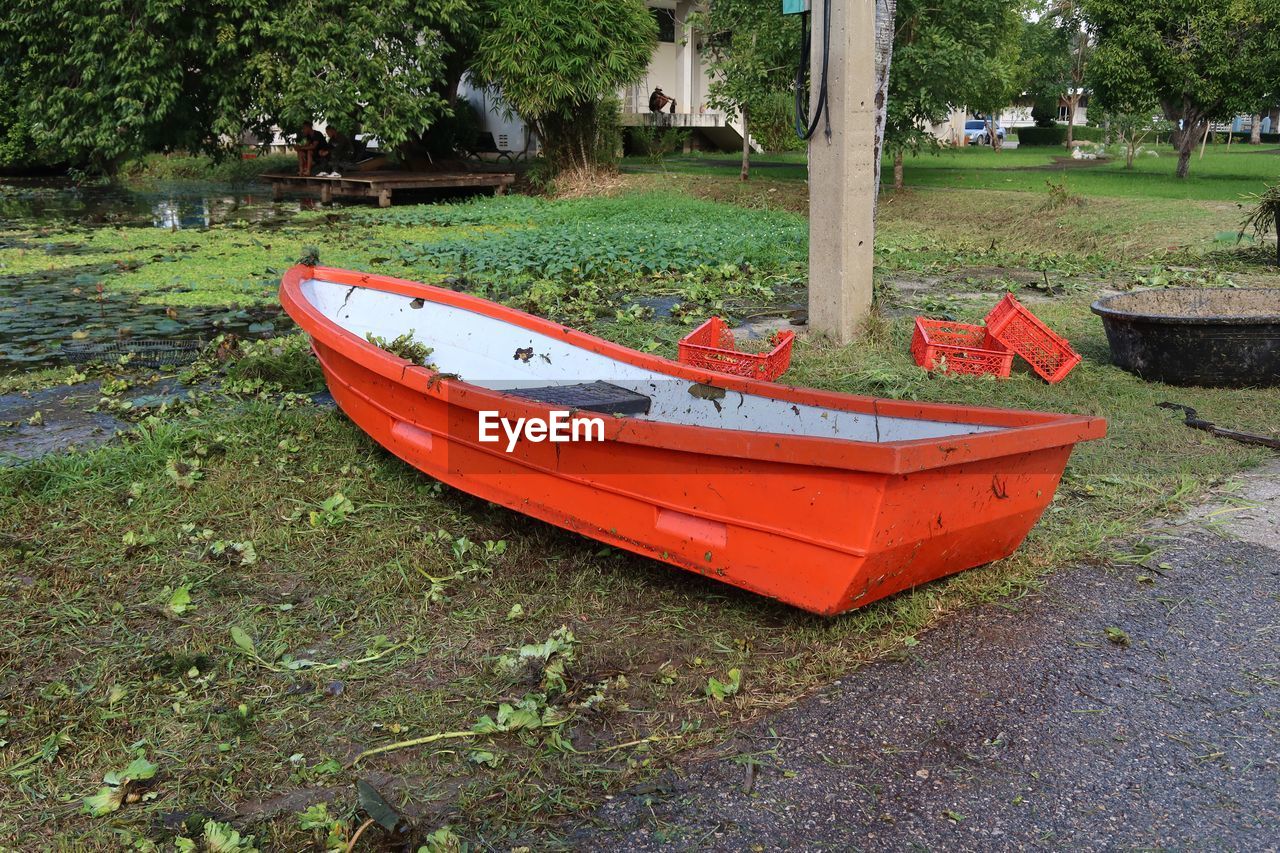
point(975, 132)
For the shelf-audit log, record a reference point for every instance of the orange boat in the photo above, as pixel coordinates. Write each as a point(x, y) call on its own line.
point(825, 501)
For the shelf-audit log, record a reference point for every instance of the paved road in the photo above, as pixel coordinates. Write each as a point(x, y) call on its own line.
point(1024, 726)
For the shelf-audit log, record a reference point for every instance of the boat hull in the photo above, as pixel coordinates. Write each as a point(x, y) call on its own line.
point(824, 540)
point(822, 524)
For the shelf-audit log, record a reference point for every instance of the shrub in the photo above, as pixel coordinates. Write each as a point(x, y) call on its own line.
point(1044, 112)
point(563, 82)
point(1262, 216)
point(655, 141)
point(200, 167)
point(773, 123)
point(1056, 135)
point(1243, 136)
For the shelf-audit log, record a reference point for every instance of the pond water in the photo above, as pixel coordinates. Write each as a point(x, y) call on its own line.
point(40, 312)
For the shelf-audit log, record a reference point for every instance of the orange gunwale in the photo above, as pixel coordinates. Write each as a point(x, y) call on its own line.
point(1023, 431)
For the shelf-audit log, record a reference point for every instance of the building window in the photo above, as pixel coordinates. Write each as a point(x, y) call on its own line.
point(1063, 112)
point(666, 19)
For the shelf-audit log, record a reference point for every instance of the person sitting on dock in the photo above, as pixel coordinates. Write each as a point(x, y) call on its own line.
point(658, 100)
point(340, 156)
point(312, 147)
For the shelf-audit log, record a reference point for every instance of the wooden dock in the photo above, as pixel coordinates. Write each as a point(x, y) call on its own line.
point(381, 185)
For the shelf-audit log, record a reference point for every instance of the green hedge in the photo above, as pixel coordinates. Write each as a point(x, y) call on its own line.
point(1267, 138)
point(1056, 135)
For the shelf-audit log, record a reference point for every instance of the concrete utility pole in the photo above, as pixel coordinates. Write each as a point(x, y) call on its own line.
point(842, 171)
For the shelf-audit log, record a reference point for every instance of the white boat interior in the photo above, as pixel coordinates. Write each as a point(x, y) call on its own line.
point(493, 354)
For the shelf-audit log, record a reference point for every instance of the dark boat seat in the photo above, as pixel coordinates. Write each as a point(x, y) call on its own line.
point(589, 396)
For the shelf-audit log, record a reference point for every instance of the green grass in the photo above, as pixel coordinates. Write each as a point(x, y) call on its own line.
point(372, 606)
point(397, 571)
point(1222, 175)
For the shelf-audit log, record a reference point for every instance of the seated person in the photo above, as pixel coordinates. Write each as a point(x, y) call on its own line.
point(312, 148)
point(658, 100)
point(342, 152)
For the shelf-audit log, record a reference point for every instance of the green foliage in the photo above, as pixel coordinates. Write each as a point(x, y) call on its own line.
point(655, 141)
point(1201, 61)
point(546, 662)
point(328, 832)
point(98, 82)
point(751, 51)
point(1054, 135)
point(1132, 128)
point(608, 239)
point(1264, 138)
point(722, 690)
point(1088, 133)
point(17, 136)
point(201, 167)
point(1262, 216)
point(1046, 63)
point(557, 62)
point(404, 347)
point(121, 787)
point(1044, 112)
point(773, 119)
point(948, 56)
point(101, 83)
point(374, 66)
point(333, 511)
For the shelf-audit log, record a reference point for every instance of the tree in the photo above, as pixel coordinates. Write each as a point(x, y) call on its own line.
point(556, 62)
point(998, 78)
point(751, 50)
point(936, 67)
point(1080, 47)
point(1133, 125)
point(1046, 65)
point(886, 28)
point(1202, 60)
point(1056, 49)
point(388, 67)
point(104, 80)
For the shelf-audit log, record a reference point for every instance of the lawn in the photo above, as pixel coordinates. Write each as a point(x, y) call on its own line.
point(250, 595)
point(1222, 175)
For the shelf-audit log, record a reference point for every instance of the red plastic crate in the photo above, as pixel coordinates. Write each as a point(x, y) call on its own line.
point(959, 348)
point(1017, 328)
point(711, 347)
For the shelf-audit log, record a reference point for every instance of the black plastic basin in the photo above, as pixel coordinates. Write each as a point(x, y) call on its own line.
point(1223, 337)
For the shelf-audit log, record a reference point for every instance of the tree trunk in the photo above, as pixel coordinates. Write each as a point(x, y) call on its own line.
point(897, 169)
point(1072, 100)
point(1191, 134)
point(885, 12)
point(746, 147)
point(1255, 130)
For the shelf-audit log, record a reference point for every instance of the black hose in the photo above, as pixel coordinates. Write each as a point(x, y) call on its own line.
point(805, 125)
